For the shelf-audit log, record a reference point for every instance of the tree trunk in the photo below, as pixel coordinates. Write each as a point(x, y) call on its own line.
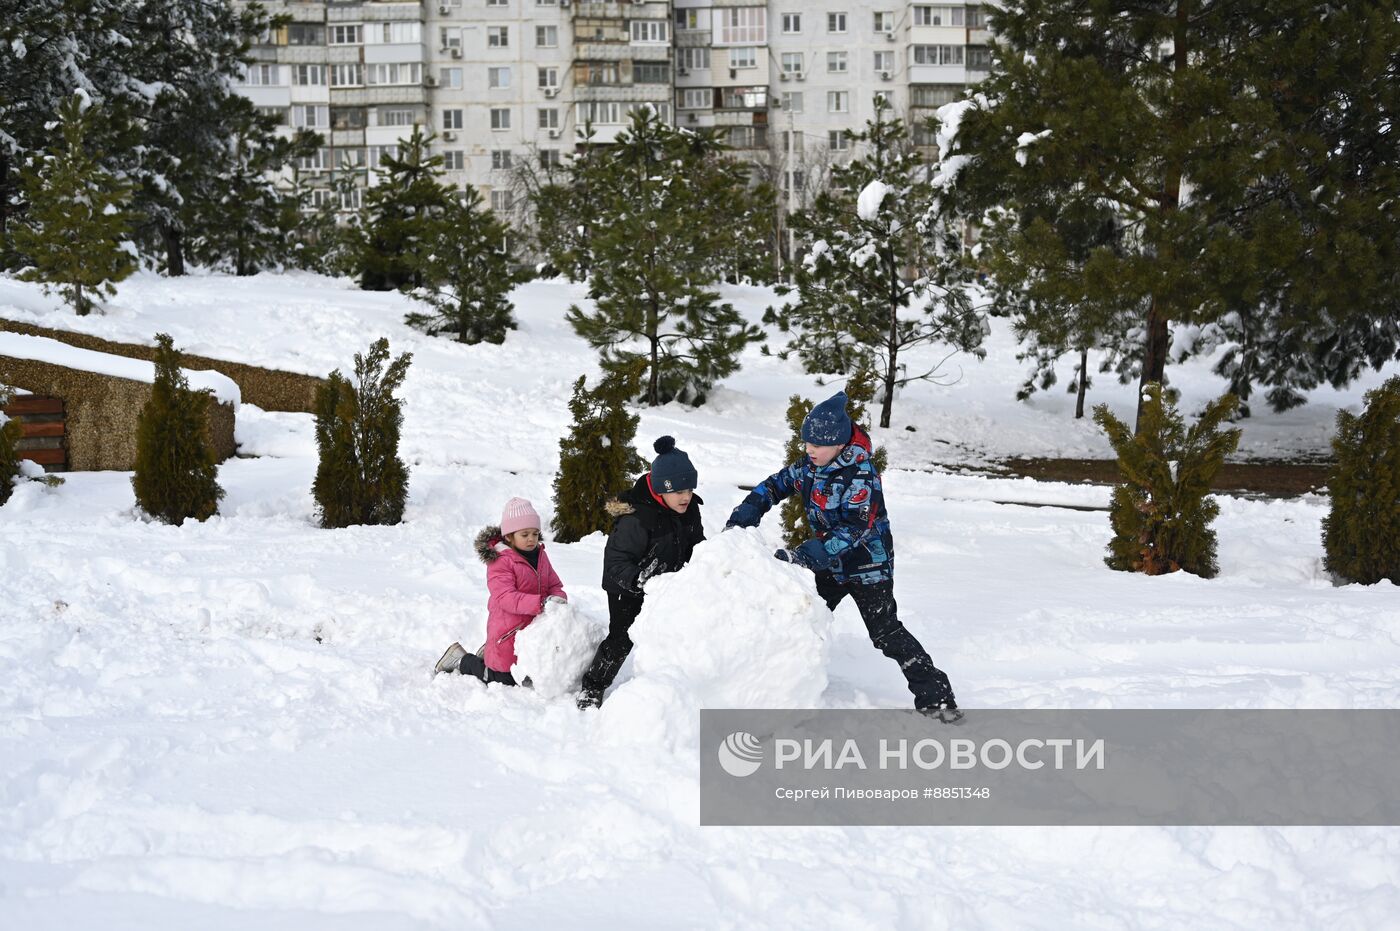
point(80, 301)
point(1083, 382)
point(1154, 356)
point(654, 378)
point(174, 250)
point(891, 368)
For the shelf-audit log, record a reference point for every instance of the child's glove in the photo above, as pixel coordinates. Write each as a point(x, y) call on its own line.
point(745, 515)
point(649, 570)
point(810, 555)
point(556, 600)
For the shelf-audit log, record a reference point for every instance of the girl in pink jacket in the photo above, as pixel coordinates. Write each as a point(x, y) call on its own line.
point(521, 581)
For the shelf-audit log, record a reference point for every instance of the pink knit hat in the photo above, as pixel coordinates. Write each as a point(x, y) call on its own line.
point(518, 515)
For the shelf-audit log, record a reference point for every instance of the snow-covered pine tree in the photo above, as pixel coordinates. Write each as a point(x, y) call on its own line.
point(9, 458)
point(75, 233)
point(395, 234)
point(176, 476)
point(1361, 532)
point(243, 219)
point(468, 274)
point(597, 459)
point(874, 250)
point(1247, 149)
point(1162, 512)
point(565, 210)
point(656, 255)
point(360, 478)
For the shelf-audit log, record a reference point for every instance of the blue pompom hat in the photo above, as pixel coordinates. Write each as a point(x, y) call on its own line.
point(671, 469)
point(828, 424)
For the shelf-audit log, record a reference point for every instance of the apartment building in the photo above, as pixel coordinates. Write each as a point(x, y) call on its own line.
point(501, 81)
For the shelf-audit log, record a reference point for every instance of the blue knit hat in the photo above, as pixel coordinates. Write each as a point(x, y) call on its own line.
point(828, 424)
point(671, 469)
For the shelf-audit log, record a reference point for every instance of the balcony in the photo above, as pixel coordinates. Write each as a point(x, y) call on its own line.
point(378, 95)
point(628, 93)
point(302, 55)
point(348, 137)
point(592, 9)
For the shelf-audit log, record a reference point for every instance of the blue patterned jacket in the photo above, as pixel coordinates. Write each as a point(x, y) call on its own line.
point(845, 505)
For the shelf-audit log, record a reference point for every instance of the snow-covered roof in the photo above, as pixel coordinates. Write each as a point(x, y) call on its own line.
point(42, 349)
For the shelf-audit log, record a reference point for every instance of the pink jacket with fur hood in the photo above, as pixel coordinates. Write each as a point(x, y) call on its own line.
point(518, 591)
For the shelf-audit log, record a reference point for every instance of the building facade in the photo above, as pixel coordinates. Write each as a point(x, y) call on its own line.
point(507, 84)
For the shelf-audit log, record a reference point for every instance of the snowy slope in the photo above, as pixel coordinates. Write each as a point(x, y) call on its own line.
point(233, 725)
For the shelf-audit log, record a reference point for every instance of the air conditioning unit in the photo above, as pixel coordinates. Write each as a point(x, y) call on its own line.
point(889, 36)
point(456, 51)
point(430, 81)
point(449, 136)
point(565, 4)
point(733, 72)
point(692, 118)
point(799, 75)
point(551, 92)
point(784, 76)
point(885, 76)
point(682, 72)
point(554, 134)
point(444, 8)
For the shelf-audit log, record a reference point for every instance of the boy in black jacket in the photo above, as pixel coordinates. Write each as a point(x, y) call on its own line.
point(657, 528)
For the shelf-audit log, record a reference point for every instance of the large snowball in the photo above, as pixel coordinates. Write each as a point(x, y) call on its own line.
point(735, 628)
point(555, 650)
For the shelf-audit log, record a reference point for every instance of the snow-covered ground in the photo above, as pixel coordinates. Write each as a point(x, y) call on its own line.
point(233, 724)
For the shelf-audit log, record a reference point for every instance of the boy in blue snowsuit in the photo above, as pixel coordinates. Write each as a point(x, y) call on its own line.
point(852, 552)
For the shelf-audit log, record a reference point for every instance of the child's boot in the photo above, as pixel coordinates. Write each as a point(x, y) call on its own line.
point(451, 660)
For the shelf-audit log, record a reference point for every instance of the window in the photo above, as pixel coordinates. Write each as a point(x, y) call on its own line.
point(743, 57)
point(451, 119)
point(278, 114)
point(792, 24)
point(792, 101)
point(694, 59)
point(453, 160)
point(496, 2)
point(979, 58)
point(599, 112)
point(259, 75)
point(450, 38)
point(306, 34)
point(347, 35)
point(317, 161)
point(501, 201)
point(394, 33)
point(747, 137)
point(938, 54)
point(975, 19)
point(651, 73)
point(500, 118)
point(352, 199)
point(744, 98)
point(935, 95)
point(836, 62)
point(884, 22)
point(399, 116)
point(548, 117)
point(837, 140)
point(346, 75)
point(546, 2)
point(549, 77)
point(308, 75)
point(884, 62)
point(939, 16)
point(549, 158)
point(311, 116)
point(450, 77)
point(395, 73)
point(599, 72)
point(321, 198)
point(546, 36)
point(836, 22)
point(885, 98)
point(500, 160)
point(743, 26)
point(497, 78)
point(794, 180)
point(498, 37)
point(347, 117)
point(696, 98)
point(791, 62)
point(838, 101)
point(649, 31)
point(378, 152)
point(687, 19)
point(350, 159)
